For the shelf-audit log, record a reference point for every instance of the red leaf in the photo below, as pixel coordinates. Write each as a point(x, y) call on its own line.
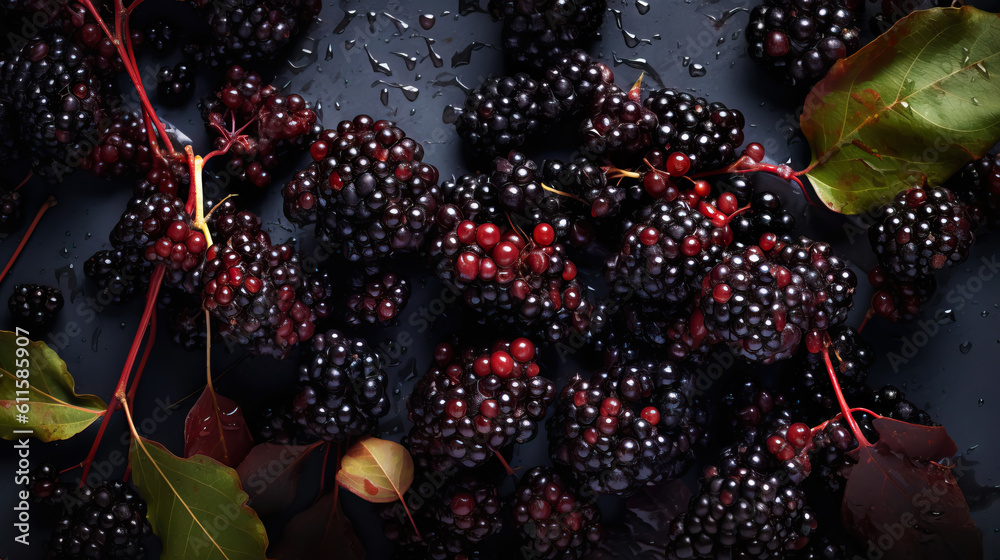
point(321, 532)
point(270, 475)
point(902, 504)
point(215, 427)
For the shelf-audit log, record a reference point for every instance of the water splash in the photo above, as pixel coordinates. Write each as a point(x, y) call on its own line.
point(377, 66)
point(349, 16)
point(409, 92)
point(436, 59)
point(401, 26)
point(720, 20)
point(408, 59)
point(639, 64)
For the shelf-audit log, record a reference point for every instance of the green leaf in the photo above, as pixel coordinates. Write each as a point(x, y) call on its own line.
point(914, 105)
point(54, 411)
point(196, 506)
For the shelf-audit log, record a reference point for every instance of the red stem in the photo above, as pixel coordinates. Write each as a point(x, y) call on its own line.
point(503, 462)
point(145, 356)
point(49, 203)
point(21, 184)
point(154, 290)
point(868, 315)
point(846, 410)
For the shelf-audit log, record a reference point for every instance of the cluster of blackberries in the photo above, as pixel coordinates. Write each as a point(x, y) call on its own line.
point(536, 32)
point(245, 31)
point(110, 522)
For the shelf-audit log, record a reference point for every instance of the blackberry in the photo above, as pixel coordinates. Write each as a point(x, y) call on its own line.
point(618, 125)
point(572, 78)
point(51, 97)
point(123, 148)
point(920, 232)
point(763, 299)
point(630, 425)
point(274, 124)
point(118, 274)
point(680, 333)
point(503, 113)
point(708, 133)
point(11, 209)
point(528, 285)
point(471, 197)
point(978, 185)
point(809, 382)
point(251, 288)
point(552, 520)
point(276, 425)
point(110, 524)
point(798, 41)
point(45, 487)
point(318, 294)
point(175, 85)
point(765, 215)
point(749, 505)
point(537, 31)
point(520, 194)
point(377, 299)
point(890, 401)
point(342, 388)
point(587, 180)
point(474, 402)
point(248, 31)
point(169, 174)
point(665, 253)
point(899, 300)
point(459, 516)
point(35, 307)
point(377, 198)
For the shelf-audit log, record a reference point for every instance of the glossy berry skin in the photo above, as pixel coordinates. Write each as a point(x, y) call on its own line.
point(474, 402)
point(553, 521)
point(808, 382)
point(921, 232)
point(276, 126)
point(588, 180)
point(118, 274)
point(797, 41)
point(341, 388)
point(123, 148)
point(377, 299)
point(617, 125)
point(368, 190)
point(34, 307)
point(517, 284)
point(175, 85)
point(109, 523)
point(665, 253)
point(537, 31)
point(709, 134)
point(776, 296)
point(897, 299)
point(978, 185)
point(604, 428)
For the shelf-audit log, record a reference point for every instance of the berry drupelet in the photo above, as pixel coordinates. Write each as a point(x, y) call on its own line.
point(34, 307)
point(584, 178)
point(978, 185)
point(808, 382)
point(175, 85)
point(898, 299)
point(708, 133)
point(797, 41)
point(921, 232)
point(535, 32)
point(375, 299)
point(618, 125)
point(262, 126)
point(764, 299)
point(368, 189)
point(342, 388)
point(110, 524)
point(528, 285)
point(123, 148)
point(118, 274)
point(666, 252)
point(630, 425)
point(248, 31)
point(553, 521)
point(474, 402)
point(11, 209)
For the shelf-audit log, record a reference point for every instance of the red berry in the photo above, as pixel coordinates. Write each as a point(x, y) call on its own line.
point(544, 234)
point(702, 188)
point(754, 151)
point(502, 364)
point(611, 407)
point(455, 408)
point(487, 236)
point(522, 349)
point(678, 164)
point(649, 236)
point(798, 435)
point(722, 293)
point(651, 415)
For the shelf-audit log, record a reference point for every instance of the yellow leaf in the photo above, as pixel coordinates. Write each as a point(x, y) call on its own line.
point(377, 470)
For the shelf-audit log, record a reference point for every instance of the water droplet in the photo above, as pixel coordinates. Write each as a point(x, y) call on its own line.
point(348, 45)
point(329, 52)
point(686, 61)
point(377, 66)
point(464, 56)
point(204, 432)
point(336, 105)
point(982, 402)
point(639, 64)
point(436, 59)
point(94, 339)
point(401, 25)
point(384, 96)
point(721, 40)
point(451, 80)
point(122, 325)
point(984, 314)
point(946, 316)
point(306, 56)
point(718, 54)
point(981, 67)
point(657, 36)
point(642, 7)
point(965, 347)
point(427, 21)
point(965, 56)
point(631, 41)
point(971, 449)
point(371, 21)
point(64, 252)
point(975, 101)
point(87, 236)
point(413, 112)
point(450, 116)
point(409, 92)
point(408, 59)
point(735, 35)
point(342, 26)
point(697, 70)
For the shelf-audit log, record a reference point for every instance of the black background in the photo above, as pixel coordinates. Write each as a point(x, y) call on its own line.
point(960, 389)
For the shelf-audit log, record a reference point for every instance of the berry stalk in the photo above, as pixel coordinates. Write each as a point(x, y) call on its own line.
point(145, 356)
point(844, 408)
point(49, 203)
